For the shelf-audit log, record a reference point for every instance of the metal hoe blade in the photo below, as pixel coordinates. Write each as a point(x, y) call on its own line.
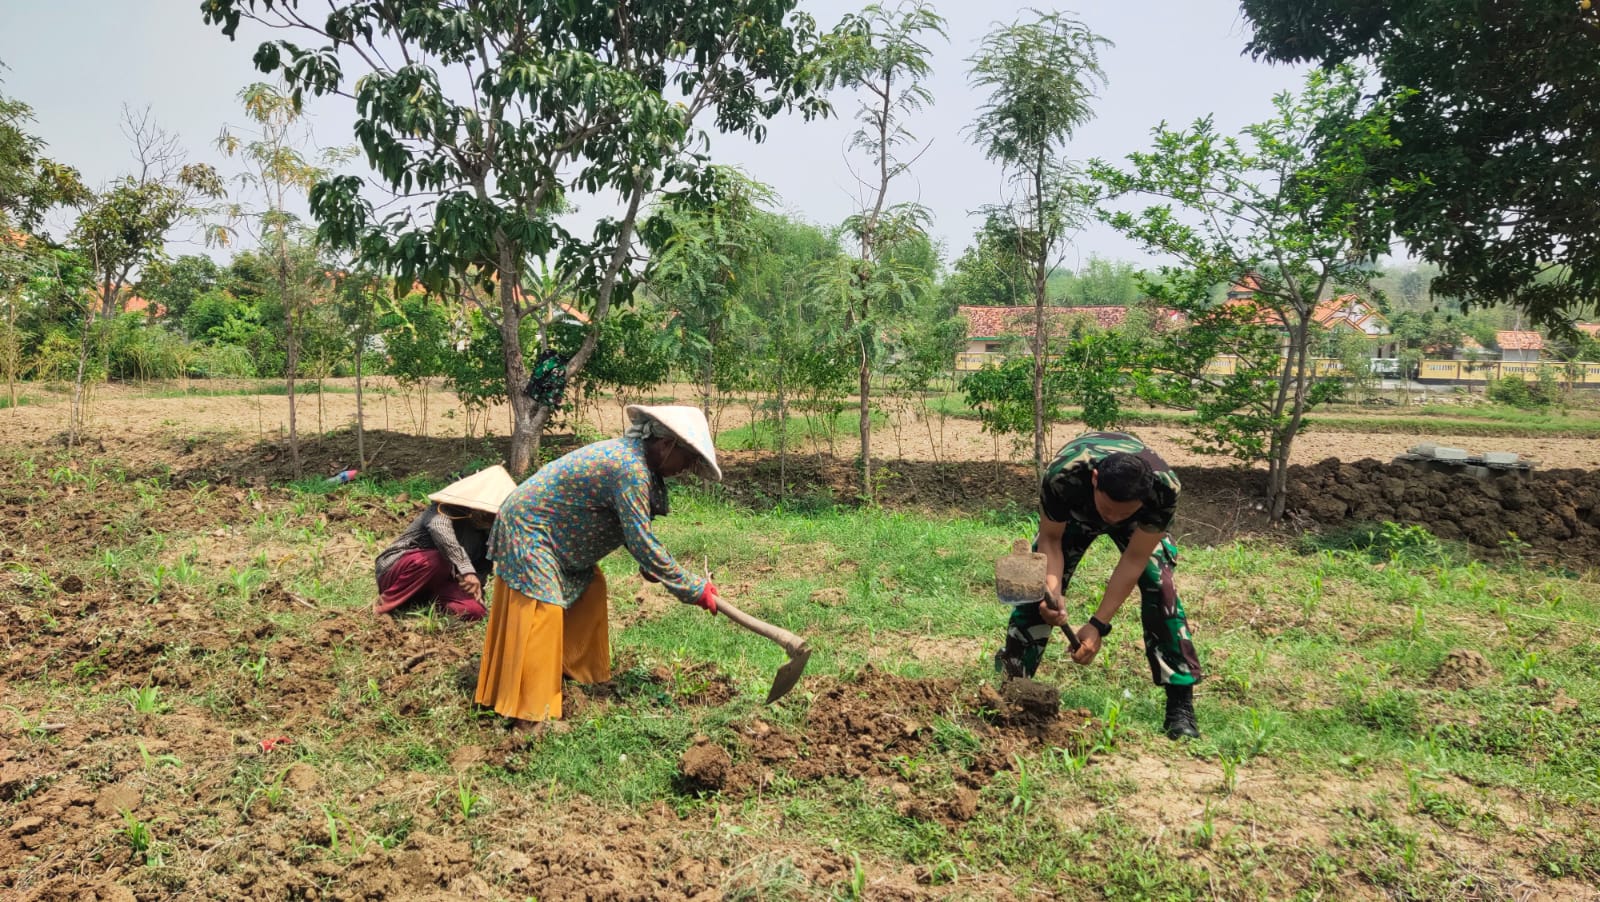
point(796, 648)
point(790, 673)
point(1019, 579)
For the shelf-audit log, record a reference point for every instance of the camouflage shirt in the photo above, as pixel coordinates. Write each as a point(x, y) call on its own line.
point(1067, 492)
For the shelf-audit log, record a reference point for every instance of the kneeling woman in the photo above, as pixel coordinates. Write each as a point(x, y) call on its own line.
point(549, 614)
point(443, 558)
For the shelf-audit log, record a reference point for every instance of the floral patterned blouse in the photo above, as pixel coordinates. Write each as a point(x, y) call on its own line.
point(557, 525)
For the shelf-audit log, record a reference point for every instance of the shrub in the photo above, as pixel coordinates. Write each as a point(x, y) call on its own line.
point(57, 357)
point(1521, 393)
point(142, 351)
point(223, 361)
point(1385, 541)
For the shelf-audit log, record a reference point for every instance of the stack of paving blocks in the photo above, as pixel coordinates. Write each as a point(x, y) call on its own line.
point(1461, 462)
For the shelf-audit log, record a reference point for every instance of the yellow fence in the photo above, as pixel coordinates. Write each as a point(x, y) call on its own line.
point(1320, 366)
point(1457, 370)
point(1428, 370)
point(1470, 371)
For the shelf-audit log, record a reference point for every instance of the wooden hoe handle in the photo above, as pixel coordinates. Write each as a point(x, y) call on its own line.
point(790, 642)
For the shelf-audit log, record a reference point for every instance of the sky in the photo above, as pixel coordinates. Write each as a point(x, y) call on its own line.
point(79, 62)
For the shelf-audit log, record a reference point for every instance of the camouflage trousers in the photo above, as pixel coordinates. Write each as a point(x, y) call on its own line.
point(1173, 659)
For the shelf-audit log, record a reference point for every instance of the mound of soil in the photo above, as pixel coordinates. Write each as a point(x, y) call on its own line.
point(1029, 703)
point(1463, 669)
point(1556, 512)
point(872, 725)
point(705, 766)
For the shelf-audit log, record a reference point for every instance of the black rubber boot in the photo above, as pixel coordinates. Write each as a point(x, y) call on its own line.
point(1180, 714)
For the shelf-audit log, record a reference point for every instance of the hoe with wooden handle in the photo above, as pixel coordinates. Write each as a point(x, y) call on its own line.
point(795, 647)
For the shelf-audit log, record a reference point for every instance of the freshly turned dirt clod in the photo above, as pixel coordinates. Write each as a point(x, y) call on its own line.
point(963, 805)
point(1030, 701)
point(705, 766)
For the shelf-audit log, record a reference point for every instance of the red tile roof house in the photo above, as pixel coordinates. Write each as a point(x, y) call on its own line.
point(1519, 347)
point(992, 331)
point(1345, 313)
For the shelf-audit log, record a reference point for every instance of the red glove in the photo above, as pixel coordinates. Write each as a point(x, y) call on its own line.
point(709, 598)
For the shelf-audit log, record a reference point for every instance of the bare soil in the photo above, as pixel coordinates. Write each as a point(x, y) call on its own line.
point(124, 413)
point(1463, 668)
point(873, 725)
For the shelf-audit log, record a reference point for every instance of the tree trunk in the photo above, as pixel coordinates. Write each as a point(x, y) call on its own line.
point(75, 415)
point(708, 376)
point(525, 427)
point(361, 423)
point(1277, 478)
point(1039, 339)
point(527, 420)
point(13, 353)
point(1294, 398)
point(109, 295)
point(866, 423)
point(291, 366)
point(93, 336)
point(783, 431)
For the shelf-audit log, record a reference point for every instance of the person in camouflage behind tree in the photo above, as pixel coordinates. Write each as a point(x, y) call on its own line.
point(1109, 483)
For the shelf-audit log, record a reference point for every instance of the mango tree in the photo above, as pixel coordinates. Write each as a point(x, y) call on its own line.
point(487, 118)
point(703, 244)
point(1494, 160)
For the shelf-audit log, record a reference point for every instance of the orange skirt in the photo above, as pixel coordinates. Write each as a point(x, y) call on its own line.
point(529, 644)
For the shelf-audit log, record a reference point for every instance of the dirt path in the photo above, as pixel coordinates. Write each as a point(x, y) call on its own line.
point(121, 412)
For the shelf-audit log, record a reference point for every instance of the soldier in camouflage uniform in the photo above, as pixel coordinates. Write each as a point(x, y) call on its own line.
point(1109, 483)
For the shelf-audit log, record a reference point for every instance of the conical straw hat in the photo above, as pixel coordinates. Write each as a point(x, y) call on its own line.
point(484, 490)
point(689, 425)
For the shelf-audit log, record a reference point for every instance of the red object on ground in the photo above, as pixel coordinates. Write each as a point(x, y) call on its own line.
point(425, 574)
point(268, 745)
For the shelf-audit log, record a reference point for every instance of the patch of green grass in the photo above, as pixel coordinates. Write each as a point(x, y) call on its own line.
point(1577, 417)
point(626, 757)
point(803, 431)
point(1549, 426)
point(415, 489)
point(1578, 859)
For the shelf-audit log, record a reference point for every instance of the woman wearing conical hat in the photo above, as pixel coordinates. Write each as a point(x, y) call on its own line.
point(442, 558)
point(549, 612)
